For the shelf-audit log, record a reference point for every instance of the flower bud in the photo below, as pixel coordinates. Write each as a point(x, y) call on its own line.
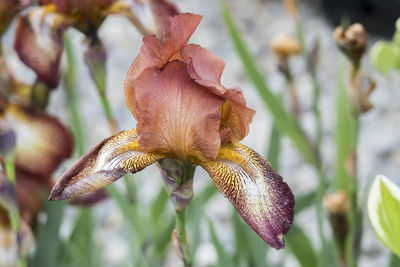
point(338, 206)
point(285, 46)
point(40, 94)
point(7, 139)
point(352, 42)
point(178, 180)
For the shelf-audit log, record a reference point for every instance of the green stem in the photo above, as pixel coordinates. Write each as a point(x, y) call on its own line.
point(10, 172)
point(322, 186)
point(107, 112)
point(10, 169)
point(355, 216)
point(72, 97)
point(181, 228)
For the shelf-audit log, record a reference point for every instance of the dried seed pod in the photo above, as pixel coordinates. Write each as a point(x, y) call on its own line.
point(352, 41)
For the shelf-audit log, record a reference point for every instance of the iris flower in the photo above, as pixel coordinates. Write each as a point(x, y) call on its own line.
point(42, 143)
point(39, 34)
point(183, 112)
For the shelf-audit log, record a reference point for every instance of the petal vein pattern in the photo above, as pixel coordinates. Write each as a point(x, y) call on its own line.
point(258, 193)
point(104, 164)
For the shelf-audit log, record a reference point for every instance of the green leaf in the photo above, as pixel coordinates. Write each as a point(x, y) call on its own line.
point(304, 201)
point(343, 136)
point(284, 121)
point(81, 249)
point(223, 257)
point(394, 261)
point(384, 56)
point(384, 212)
point(48, 242)
point(159, 204)
point(250, 248)
point(194, 215)
point(134, 224)
point(274, 147)
point(300, 245)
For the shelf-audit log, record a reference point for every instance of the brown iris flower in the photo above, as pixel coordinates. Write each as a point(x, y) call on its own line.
point(39, 34)
point(42, 142)
point(173, 89)
point(13, 243)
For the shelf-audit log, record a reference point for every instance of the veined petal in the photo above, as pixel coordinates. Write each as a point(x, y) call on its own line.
point(155, 53)
point(236, 117)
point(175, 114)
point(39, 41)
point(258, 193)
point(204, 67)
point(42, 141)
point(102, 165)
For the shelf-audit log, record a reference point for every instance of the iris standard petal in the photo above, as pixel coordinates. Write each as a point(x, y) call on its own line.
point(42, 141)
point(176, 115)
point(206, 69)
point(236, 117)
point(258, 193)
point(39, 42)
point(102, 165)
point(156, 53)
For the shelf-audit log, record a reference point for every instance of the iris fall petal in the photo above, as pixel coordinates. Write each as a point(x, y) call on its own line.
point(176, 114)
point(102, 165)
point(42, 141)
point(258, 193)
point(39, 41)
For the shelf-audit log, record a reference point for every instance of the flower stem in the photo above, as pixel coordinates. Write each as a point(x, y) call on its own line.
point(107, 111)
point(181, 228)
point(322, 186)
point(72, 97)
point(10, 172)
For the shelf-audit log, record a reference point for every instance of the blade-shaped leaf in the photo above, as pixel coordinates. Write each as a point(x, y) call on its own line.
point(48, 241)
point(223, 258)
point(342, 179)
point(301, 247)
point(250, 249)
point(384, 212)
point(384, 56)
point(285, 123)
